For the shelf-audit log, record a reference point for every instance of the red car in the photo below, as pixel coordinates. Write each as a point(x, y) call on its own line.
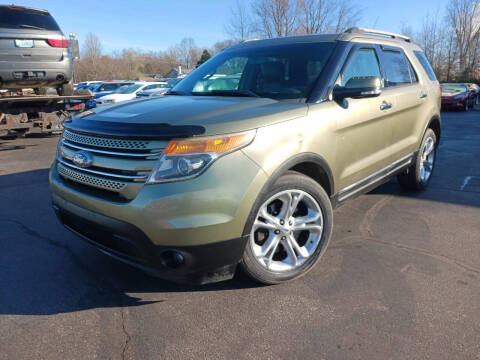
point(457, 96)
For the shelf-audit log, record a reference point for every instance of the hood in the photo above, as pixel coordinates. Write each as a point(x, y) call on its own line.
point(214, 114)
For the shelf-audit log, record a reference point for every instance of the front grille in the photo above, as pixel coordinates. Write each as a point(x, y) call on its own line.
point(110, 143)
point(114, 163)
point(98, 182)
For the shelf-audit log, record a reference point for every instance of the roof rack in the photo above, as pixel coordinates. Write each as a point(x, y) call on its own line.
point(357, 30)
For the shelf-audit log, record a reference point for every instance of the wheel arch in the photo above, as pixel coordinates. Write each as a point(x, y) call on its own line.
point(311, 165)
point(436, 125)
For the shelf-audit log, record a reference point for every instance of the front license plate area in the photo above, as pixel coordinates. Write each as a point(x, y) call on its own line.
point(24, 43)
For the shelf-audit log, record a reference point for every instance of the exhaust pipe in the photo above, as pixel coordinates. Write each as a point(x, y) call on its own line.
point(60, 77)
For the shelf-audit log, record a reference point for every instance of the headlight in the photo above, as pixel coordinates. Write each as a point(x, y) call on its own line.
point(459, 96)
point(186, 159)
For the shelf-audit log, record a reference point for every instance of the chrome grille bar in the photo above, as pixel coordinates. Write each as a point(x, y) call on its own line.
point(102, 173)
point(113, 153)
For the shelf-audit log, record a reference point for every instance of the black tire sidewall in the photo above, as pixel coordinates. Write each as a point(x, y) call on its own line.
point(289, 181)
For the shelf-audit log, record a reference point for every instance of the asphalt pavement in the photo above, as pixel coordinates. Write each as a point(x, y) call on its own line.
point(400, 280)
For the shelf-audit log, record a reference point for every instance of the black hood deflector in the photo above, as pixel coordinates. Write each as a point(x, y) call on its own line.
point(132, 130)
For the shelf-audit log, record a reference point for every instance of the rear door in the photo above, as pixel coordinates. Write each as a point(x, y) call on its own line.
point(25, 34)
point(402, 82)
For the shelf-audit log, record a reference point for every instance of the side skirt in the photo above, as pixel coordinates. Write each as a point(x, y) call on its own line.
point(374, 180)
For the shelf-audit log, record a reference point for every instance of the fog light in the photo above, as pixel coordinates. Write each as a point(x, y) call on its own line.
point(172, 259)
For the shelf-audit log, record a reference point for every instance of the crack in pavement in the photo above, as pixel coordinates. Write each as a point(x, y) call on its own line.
point(126, 333)
point(367, 234)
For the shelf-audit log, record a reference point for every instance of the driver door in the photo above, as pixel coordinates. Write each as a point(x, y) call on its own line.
point(362, 126)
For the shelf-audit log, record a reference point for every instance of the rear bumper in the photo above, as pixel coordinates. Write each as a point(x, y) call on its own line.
point(15, 75)
point(198, 264)
point(453, 104)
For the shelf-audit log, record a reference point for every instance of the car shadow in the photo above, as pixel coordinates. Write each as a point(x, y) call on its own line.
point(45, 269)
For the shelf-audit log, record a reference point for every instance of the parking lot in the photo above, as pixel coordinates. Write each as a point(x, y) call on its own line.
point(401, 279)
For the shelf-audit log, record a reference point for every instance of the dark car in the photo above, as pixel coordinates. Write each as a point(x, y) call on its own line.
point(457, 96)
point(34, 52)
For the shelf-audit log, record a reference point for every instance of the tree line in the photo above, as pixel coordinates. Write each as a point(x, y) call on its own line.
point(450, 38)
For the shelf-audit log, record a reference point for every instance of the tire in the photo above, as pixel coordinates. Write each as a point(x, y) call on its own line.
point(414, 178)
point(66, 89)
point(266, 231)
point(40, 91)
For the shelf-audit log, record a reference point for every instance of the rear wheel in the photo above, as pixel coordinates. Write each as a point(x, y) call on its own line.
point(417, 176)
point(289, 230)
point(66, 89)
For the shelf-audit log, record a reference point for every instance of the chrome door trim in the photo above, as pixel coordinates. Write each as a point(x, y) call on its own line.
point(377, 176)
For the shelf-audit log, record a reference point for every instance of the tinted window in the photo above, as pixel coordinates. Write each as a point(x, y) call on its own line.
point(395, 68)
point(21, 18)
point(286, 71)
point(426, 65)
point(363, 63)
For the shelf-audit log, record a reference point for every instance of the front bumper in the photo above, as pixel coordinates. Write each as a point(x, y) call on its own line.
point(203, 219)
point(199, 264)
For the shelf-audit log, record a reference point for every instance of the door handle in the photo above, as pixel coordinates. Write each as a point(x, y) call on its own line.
point(423, 96)
point(386, 106)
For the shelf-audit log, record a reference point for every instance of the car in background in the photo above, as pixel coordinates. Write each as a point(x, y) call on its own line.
point(457, 96)
point(128, 92)
point(34, 53)
point(84, 85)
point(160, 90)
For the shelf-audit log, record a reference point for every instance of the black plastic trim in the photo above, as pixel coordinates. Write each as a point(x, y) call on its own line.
point(202, 264)
point(132, 130)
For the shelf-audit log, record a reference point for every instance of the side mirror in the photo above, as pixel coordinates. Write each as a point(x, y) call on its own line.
point(358, 87)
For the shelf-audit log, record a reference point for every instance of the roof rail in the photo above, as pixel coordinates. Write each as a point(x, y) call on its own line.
point(357, 30)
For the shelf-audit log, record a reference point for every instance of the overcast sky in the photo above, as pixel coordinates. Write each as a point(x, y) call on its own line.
point(158, 24)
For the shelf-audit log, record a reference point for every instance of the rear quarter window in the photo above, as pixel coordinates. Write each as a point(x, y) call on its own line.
point(23, 18)
point(425, 64)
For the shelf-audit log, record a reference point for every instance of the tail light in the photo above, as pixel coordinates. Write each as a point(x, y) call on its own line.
point(59, 43)
point(440, 89)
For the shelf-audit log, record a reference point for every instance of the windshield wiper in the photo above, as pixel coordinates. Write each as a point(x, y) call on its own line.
point(31, 27)
point(241, 93)
point(174, 92)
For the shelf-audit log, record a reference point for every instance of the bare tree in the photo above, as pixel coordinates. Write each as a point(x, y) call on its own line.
point(432, 39)
point(186, 52)
point(276, 17)
point(316, 16)
point(463, 17)
point(92, 52)
point(347, 14)
point(240, 25)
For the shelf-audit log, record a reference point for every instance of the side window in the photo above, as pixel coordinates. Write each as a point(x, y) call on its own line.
point(396, 68)
point(109, 87)
point(149, 87)
point(425, 64)
point(363, 63)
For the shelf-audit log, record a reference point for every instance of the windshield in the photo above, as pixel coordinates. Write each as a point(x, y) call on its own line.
point(280, 72)
point(128, 89)
point(454, 88)
point(18, 17)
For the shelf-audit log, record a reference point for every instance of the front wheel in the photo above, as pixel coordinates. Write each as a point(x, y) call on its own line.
point(289, 229)
point(417, 176)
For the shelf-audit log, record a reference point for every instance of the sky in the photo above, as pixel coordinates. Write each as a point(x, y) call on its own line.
point(154, 25)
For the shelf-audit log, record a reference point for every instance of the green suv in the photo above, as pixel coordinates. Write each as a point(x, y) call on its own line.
point(241, 163)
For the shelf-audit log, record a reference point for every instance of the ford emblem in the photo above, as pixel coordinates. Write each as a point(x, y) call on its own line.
point(82, 159)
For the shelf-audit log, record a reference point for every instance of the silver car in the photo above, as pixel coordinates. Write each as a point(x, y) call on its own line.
point(34, 52)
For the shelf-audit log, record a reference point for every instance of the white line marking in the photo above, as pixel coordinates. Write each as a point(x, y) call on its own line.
point(465, 182)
